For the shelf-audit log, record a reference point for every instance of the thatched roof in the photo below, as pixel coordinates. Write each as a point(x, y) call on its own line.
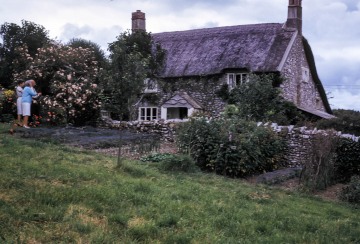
point(311, 60)
point(257, 48)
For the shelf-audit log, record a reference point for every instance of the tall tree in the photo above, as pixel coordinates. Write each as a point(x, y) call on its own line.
point(133, 58)
point(29, 35)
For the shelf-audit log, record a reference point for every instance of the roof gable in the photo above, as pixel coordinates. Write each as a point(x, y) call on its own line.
point(182, 99)
point(257, 48)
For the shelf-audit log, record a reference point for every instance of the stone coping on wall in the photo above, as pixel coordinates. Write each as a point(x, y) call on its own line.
point(307, 132)
point(166, 128)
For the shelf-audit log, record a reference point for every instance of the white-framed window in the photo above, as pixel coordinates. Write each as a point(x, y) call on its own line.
point(151, 86)
point(305, 74)
point(237, 79)
point(148, 113)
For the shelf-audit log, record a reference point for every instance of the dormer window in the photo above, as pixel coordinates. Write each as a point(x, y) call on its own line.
point(237, 79)
point(151, 86)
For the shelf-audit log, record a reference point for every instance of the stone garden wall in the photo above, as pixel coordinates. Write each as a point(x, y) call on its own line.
point(299, 139)
point(165, 129)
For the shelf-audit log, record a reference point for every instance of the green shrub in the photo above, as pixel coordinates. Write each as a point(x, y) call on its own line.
point(235, 148)
point(348, 160)
point(6, 118)
point(201, 139)
point(351, 193)
point(346, 121)
point(179, 163)
point(155, 158)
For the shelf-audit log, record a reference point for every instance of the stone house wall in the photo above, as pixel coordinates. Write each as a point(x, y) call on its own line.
point(203, 90)
point(297, 87)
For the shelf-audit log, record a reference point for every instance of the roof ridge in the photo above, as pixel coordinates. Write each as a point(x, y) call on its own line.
point(231, 27)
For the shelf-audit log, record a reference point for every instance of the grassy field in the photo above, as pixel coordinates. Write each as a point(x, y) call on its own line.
point(51, 193)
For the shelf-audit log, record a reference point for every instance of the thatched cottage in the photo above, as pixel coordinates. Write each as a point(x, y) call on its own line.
point(198, 62)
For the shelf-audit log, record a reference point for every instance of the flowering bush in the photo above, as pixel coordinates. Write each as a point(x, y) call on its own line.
point(66, 76)
point(35, 120)
point(7, 105)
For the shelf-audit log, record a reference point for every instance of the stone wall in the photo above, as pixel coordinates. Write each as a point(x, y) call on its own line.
point(299, 139)
point(165, 129)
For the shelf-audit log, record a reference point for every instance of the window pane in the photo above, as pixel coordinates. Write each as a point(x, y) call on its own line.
point(231, 80)
point(238, 79)
point(183, 112)
point(142, 111)
point(154, 113)
point(148, 114)
point(142, 114)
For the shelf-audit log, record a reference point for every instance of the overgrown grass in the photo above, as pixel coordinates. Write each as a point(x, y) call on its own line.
point(50, 193)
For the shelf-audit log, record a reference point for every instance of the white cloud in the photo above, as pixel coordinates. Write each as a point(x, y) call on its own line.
point(101, 35)
point(343, 99)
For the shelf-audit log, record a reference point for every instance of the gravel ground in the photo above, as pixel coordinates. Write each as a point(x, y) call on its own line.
point(133, 144)
point(87, 137)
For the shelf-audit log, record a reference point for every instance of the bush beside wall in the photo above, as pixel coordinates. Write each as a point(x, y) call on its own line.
point(233, 148)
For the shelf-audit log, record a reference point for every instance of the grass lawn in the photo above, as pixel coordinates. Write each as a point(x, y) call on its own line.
point(51, 193)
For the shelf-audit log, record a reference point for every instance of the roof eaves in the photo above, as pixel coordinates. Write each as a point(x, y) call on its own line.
point(318, 113)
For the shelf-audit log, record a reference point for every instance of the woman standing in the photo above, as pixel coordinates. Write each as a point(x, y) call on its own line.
point(19, 92)
point(28, 94)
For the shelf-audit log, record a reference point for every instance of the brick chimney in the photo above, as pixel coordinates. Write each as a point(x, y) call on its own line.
point(138, 21)
point(294, 19)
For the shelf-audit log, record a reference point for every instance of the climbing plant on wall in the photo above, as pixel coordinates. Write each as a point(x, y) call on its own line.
point(260, 100)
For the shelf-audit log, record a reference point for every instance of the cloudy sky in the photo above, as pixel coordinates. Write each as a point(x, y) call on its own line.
point(331, 26)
